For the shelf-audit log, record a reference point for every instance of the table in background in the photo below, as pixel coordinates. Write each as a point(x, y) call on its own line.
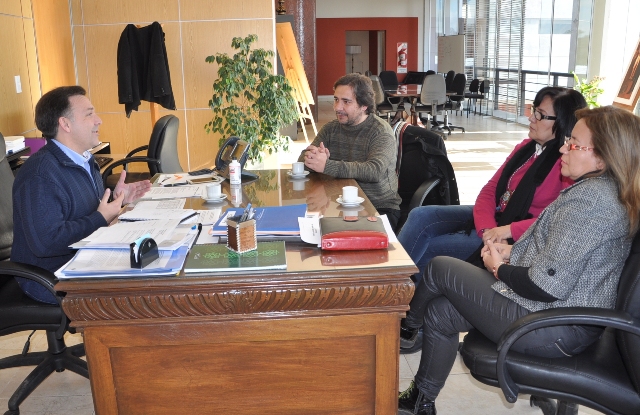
point(320, 337)
point(412, 94)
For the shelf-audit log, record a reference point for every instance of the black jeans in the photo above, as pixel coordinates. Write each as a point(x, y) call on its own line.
point(456, 296)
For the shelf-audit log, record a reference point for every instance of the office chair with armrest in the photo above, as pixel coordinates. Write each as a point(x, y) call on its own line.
point(382, 106)
point(449, 80)
point(19, 312)
point(605, 376)
point(425, 174)
point(454, 102)
point(162, 154)
point(389, 81)
point(432, 99)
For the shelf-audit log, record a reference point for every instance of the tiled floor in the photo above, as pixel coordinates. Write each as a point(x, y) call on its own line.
point(475, 156)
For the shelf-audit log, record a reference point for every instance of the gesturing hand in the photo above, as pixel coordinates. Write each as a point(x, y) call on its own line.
point(110, 210)
point(130, 191)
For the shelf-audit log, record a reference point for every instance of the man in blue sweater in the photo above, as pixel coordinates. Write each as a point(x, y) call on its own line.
point(58, 194)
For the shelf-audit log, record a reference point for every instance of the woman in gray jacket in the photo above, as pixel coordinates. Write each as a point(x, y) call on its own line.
point(571, 256)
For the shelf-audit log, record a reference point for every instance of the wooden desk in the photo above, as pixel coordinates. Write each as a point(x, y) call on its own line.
point(320, 338)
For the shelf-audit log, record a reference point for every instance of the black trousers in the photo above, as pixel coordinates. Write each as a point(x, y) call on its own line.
point(456, 296)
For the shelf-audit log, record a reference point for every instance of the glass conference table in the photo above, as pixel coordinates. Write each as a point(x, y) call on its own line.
point(318, 338)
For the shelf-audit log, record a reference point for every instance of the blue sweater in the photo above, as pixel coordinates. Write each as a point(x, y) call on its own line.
point(55, 204)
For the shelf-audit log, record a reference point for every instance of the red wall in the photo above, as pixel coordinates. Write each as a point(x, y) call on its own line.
point(331, 42)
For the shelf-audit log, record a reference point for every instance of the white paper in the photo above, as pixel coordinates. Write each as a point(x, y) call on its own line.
point(109, 260)
point(387, 227)
point(209, 217)
point(205, 238)
point(161, 204)
point(167, 234)
point(159, 192)
point(310, 230)
point(157, 214)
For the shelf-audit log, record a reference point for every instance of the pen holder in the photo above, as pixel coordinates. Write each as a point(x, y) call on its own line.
point(241, 236)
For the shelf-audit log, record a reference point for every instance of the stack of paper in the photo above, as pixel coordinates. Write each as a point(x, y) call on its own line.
point(168, 234)
point(14, 143)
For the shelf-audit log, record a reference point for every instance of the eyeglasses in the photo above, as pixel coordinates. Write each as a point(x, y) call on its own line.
point(571, 147)
point(539, 116)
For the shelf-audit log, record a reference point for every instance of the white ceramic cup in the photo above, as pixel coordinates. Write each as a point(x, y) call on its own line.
point(214, 191)
point(349, 194)
point(297, 168)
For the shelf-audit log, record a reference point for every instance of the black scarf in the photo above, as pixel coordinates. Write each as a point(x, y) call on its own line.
point(517, 208)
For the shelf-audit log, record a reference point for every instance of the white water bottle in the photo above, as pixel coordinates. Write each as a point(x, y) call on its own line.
point(234, 172)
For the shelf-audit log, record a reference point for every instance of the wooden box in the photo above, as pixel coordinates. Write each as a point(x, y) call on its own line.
point(241, 236)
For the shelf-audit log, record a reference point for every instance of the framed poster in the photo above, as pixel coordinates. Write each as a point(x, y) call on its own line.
point(402, 57)
point(629, 91)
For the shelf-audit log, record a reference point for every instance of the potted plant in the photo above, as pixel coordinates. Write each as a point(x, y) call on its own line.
point(590, 90)
point(249, 101)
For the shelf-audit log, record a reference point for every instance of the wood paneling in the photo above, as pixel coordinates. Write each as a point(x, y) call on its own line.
point(204, 27)
point(12, 7)
point(54, 45)
point(201, 39)
point(127, 11)
point(215, 10)
point(16, 111)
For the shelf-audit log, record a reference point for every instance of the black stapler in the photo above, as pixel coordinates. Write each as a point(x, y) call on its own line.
point(143, 252)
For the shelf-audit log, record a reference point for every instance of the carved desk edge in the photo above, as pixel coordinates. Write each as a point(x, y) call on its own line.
point(177, 300)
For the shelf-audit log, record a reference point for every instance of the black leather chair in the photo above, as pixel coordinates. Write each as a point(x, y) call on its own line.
point(19, 313)
point(162, 154)
point(389, 81)
point(449, 80)
point(425, 175)
point(605, 376)
point(473, 94)
point(454, 102)
point(414, 78)
point(382, 106)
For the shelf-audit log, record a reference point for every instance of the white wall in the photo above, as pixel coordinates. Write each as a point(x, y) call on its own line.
point(377, 8)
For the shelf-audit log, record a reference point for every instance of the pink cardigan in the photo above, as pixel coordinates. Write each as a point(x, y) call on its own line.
point(485, 208)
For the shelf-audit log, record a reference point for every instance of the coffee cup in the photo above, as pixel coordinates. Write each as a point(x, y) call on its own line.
point(349, 194)
point(214, 191)
point(297, 168)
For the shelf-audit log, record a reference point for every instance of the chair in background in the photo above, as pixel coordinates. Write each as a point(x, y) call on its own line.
point(454, 102)
point(162, 154)
point(433, 96)
point(414, 78)
point(605, 376)
point(484, 90)
point(382, 106)
point(473, 94)
point(425, 175)
point(449, 80)
point(19, 312)
point(430, 72)
point(389, 81)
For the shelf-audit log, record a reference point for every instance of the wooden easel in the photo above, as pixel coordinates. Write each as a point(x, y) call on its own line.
point(294, 72)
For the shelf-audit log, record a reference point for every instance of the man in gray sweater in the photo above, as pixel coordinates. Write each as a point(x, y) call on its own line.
point(358, 145)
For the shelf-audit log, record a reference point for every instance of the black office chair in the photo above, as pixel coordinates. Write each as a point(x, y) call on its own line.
point(389, 80)
point(473, 94)
point(382, 106)
point(454, 102)
point(449, 80)
point(162, 154)
point(430, 72)
point(605, 376)
point(425, 175)
point(414, 78)
point(19, 312)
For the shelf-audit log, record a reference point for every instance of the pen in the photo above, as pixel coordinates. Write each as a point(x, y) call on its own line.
point(175, 184)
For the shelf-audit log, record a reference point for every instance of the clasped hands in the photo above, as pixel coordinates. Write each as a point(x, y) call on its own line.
point(123, 193)
point(494, 253)
point(315, 158)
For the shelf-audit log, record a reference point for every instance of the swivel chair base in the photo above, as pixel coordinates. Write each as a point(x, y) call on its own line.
point(550, 407)
point(58, 357)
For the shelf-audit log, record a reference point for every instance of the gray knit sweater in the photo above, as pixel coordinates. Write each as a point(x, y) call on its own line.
point(365, 152)
point(576, 249)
